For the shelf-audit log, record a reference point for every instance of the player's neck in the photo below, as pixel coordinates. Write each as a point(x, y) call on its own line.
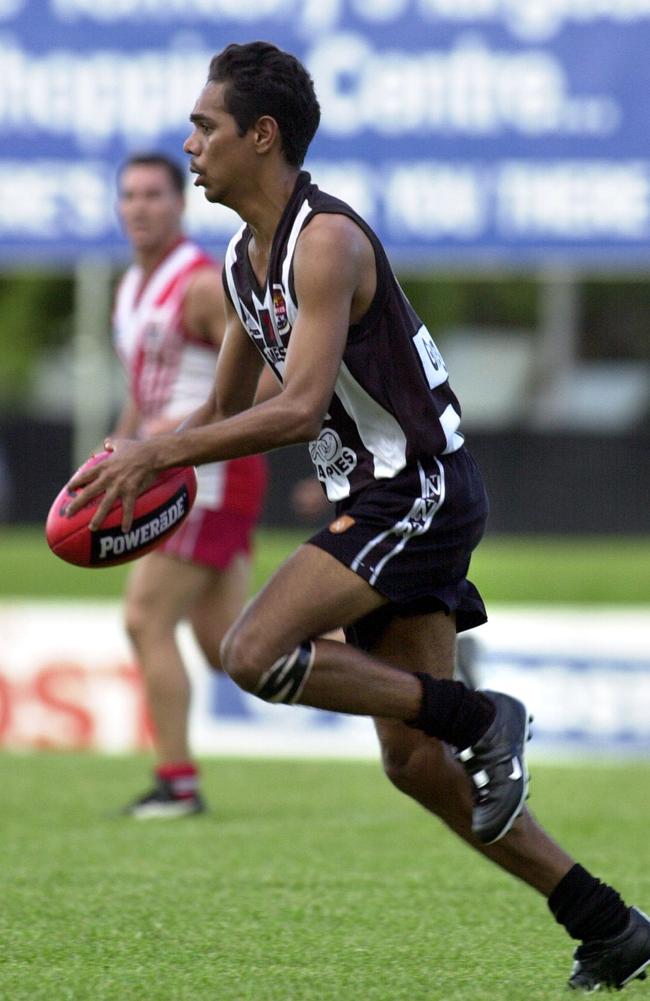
point(263, 208)
point(148, 260)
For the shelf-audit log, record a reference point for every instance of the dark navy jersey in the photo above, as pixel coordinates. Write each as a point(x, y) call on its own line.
point(392, 403)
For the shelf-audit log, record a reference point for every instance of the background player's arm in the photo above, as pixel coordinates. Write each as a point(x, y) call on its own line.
point(203, 306)
point(203, 318)
point(237, 374)
point(129, 421)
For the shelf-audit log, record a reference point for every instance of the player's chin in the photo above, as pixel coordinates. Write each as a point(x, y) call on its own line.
point(211, 191)
point(142, 241)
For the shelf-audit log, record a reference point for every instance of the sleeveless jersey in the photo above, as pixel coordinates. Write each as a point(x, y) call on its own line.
point(392, 403)
point(171, 372)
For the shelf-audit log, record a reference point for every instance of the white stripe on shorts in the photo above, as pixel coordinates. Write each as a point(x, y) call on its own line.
point(417, 522)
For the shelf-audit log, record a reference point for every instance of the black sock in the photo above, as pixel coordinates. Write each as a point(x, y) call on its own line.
point(452, 712)
point(589, 910)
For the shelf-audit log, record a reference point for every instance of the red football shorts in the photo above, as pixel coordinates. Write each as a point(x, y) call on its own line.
point(211, 538)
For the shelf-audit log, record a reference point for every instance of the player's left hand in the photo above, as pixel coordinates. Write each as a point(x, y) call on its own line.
point(122, 476)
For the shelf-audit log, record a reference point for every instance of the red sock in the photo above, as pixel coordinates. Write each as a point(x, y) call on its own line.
point(182, 776)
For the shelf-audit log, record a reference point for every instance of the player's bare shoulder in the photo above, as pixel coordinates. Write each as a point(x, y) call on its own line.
point(203, 308)
point(334, 235)
point(335, 247)
point(204, 285)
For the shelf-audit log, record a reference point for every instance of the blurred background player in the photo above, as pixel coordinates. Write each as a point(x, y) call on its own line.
point(168, 326)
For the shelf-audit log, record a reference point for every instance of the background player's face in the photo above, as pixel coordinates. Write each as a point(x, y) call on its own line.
point(219, 154)
point(150, 207)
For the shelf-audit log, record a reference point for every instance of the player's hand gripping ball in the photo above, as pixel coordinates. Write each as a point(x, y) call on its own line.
point(159, 510)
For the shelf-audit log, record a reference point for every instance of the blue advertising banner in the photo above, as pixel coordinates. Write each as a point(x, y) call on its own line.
point(463, 130)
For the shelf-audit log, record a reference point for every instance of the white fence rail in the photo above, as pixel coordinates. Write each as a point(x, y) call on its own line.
point(68, 680)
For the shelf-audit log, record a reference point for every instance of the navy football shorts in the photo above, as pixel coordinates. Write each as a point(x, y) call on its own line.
point(411, 538)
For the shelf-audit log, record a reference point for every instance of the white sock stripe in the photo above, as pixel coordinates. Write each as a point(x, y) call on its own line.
point(184, 784)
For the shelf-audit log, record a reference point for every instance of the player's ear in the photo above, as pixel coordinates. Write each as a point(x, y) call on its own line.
point(266, 133)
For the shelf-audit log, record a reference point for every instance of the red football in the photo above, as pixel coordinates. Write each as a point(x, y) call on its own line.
point(159, 510)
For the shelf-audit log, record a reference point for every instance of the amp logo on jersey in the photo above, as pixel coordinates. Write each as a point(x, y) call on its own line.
point(431, 359)
point(330, 456)
point(280, 310)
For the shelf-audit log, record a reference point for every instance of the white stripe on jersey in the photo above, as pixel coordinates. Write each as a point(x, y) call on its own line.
point(379, 431)
point(229, 261)
point(450, 421)
point(296, 229)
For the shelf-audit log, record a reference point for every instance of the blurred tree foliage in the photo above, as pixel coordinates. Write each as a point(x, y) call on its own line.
point(615, 320)
point(36, 311)
point(614, 314)
point(447, 302)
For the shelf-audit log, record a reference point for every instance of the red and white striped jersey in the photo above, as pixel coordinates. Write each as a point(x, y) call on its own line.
point(171, 370)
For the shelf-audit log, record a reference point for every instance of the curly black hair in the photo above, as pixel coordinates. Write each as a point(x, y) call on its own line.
point(261, 79)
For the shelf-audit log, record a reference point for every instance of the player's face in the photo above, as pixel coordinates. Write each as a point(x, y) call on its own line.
point(220, 156)
point(149, 206)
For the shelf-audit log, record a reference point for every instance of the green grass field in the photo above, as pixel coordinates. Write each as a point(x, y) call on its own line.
point(307, 882)
point(539, 570)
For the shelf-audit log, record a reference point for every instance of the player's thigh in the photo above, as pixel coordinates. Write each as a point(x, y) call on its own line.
point(162, 589)
point(311, 594)
point(219, 604)
point(414, 643)
point(419, 643)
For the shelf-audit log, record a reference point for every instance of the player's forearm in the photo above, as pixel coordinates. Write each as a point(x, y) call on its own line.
point(204, 414)
point(259, 429)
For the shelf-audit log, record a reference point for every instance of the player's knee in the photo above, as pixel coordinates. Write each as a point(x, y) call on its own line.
point(212, 655)
point(426, 771)
point(136, 619)
point(397, 763)
point(242, 659)
point(210, 648)
point(146, 623)
point(407, 758)
point(247, 663)
point(405, 773)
